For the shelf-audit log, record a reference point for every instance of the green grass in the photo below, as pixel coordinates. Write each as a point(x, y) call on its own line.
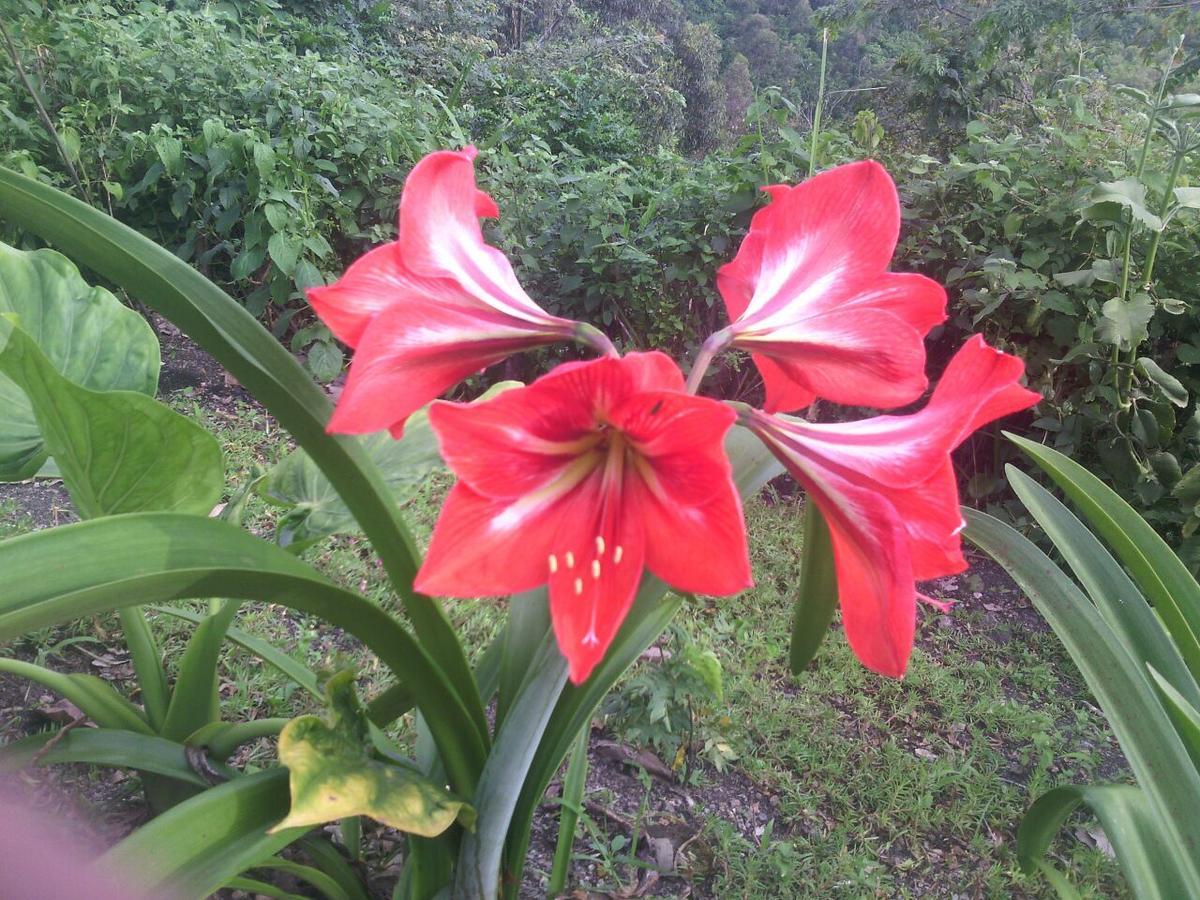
point(896, 788)
point(877, 787)
point(13, 520)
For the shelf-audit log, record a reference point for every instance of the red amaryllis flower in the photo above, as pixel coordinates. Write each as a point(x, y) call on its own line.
point(887, 489)
point(809, 295)
point(582, 479)
point(431, 308)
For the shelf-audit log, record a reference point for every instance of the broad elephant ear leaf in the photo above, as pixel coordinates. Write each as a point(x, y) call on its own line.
point(118, 451)
point(87, 334)
point(333, 775)
point(316, 511)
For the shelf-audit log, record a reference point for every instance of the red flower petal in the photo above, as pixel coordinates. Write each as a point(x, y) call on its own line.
point(888, 489)
point(373, 282)
point(412, 353)
point(860, 356)
point(685, 492)
point(440, 235)
point(844, 220)
point(479, 551)
point(513, 444)
point(784, 385)
point(978, 386)
point(431, 308)
point(594, 576)
point(876, 590)
point(653, 371)
point(564, 481)
point(809, 289)
point(933, 521)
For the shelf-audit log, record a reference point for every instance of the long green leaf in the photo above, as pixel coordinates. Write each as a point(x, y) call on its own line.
point(389, 705)
point(1131, 824)
point(326, 857)
point(109, 747)
point(1159, 760)
point(195, 701)
point(570, 807)
point(652, 611)
point(1185, 716)
point(196, 847)
point(487, 670)
point(96, 698)
point(1118, 599)
point(477, 875)
point(272, 656)
point(90, 567)
point(1160, 574)
point(753, 464)
point(327, 886)
point(817, 593)
point(147, 664)
point(223, 327)
point(222, 738)
point(524, 633)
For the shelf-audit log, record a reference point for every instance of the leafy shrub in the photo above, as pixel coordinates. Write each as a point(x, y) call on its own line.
point(670, 704)
point(253, 159)
point(1027, 229)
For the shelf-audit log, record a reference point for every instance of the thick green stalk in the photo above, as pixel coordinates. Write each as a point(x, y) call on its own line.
point(593, 337)
point(816, 129)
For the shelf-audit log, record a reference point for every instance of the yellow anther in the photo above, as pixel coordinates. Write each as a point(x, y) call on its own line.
point(618, 552)
point(553, 563)
point(570, 560)
point(578, 585)
point(595, 568)
point(599, 546)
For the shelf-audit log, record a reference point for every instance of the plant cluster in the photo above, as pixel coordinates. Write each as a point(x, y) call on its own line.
point(584, 495)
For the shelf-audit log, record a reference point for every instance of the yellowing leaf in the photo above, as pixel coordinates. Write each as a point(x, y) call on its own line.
point(333, 775)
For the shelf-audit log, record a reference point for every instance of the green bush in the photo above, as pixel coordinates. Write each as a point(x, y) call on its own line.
point(261, 163)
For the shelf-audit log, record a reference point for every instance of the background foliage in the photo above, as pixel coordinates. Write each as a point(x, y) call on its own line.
point(266, 143)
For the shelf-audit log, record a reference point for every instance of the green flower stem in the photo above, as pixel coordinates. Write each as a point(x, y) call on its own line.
point(716, 342)
point(1163, 209)
point(816, 129)
point(593, 337)
point(1127, 251)
point(1126, 374)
